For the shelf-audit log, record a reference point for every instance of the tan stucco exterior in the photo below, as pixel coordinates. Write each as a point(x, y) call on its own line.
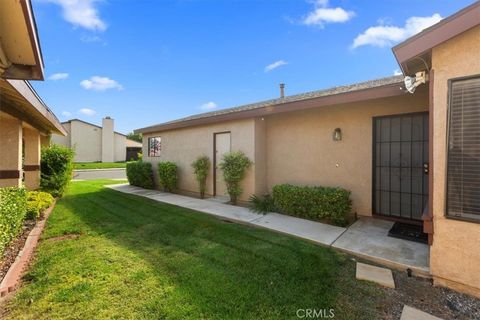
point(11, 140)
point(31, 140)
point(185, 145)
point(455, 253)
point(300, 149)
point(93, 143)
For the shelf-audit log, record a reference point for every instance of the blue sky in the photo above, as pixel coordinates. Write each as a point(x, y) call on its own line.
point(149, 61)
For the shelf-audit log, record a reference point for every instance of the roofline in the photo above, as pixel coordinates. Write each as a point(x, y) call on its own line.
point(384, 91)
point(24, 89)
point(34, 39)
point(92, 124)
point(440, 32)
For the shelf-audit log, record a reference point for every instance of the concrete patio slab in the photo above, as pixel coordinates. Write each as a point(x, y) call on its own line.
point(315, 231)
point(410, 313)
point(375, 274)
point(368, 238)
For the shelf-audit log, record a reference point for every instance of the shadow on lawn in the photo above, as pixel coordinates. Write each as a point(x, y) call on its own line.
point(215, 269)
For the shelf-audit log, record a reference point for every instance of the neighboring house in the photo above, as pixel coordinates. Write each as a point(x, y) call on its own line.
point(26, 122)
point(386, 145)
point(93, 143)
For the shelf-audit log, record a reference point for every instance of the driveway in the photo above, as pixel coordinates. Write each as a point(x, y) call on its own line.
point(92, 174)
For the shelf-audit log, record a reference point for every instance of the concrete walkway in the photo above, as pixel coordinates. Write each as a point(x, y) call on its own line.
point(367, 238)
point(319, 233)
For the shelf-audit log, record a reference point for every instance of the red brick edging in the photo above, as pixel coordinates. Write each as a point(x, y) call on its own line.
point(12, 278)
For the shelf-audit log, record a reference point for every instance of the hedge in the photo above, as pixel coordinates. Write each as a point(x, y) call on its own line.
point(167, 174)
point(56, 166)
point(13, 208)
point(314, 203)
point(140, 174)
point(37, 203)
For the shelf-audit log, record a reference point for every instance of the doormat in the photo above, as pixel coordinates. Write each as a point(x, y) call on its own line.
point(408, 232)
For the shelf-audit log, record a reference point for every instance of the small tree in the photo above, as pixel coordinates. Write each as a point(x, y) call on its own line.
point(201, 166)
point(167, 173)
point(56, 166)
point(234, 166)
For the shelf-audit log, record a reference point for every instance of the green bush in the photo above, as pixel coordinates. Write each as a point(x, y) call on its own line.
point(262, 205)
point(234, 166)
point(140, 174)
point(56, 168)
point(201, 166)
point(314, 203)
point(37, 203)
point(13, 208)
point(167, 173)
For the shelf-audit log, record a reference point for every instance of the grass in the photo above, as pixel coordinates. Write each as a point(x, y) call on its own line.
point(108, 255)
point(99, 165)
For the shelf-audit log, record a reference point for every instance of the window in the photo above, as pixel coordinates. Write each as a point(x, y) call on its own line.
point(463, 167)
point(154, 146)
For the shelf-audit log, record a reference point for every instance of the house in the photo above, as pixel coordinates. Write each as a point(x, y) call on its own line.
point(93, 143)
point(406, 157)
point(26, 122)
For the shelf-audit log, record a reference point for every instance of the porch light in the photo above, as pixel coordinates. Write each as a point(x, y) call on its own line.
point(337, 134)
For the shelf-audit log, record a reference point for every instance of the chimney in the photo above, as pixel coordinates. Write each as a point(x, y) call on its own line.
point(107, 140)
point(282, 90)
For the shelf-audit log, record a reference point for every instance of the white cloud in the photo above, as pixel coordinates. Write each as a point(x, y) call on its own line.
point(275, 65)
point(208, 105)
point(100, 84)
point(322, 14)
point(58, 76)
point(397, 72)
point(81, 13)
point(66, 113)
point(382, 36)
point(87, 112)
point(86, 38)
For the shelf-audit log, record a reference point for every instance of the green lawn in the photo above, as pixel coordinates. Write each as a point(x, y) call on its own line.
point(108, 255)
point(99, 165)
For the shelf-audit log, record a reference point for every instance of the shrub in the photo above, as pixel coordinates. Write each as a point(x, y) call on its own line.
point(37, 203)
point(313, 202)
point(262, 205)
point(167, 173)
point(201, 166)
point(13, 207)
point(140, 174)
point(56, 168)
point(234, 166)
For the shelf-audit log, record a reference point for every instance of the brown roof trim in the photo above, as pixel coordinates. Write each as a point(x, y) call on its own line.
point(26, 91)
point(440, 32)
point(328, 100)
point(94, 125)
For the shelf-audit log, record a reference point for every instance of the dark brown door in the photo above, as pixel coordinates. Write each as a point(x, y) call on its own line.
point(400, 166)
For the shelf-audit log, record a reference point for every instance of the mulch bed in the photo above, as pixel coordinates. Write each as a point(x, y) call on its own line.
point(12, 250)
point(421, 294)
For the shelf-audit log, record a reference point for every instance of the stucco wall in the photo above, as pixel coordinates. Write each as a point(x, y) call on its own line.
point(62, 140)
point(455, 253)
point(300, 148)
point(87, 141)
point(11, 140)
point(119, 152)
point(185, 145)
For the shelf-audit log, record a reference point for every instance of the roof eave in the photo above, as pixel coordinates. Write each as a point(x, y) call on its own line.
point(385, 91)
point(431, 37)
point(25, 90)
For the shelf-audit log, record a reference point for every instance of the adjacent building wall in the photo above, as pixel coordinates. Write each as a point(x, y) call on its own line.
point(183, 146)
point(87, 141)
point(455, 253)
point(300, 149)
point(120, 149)
point(108, 140)
point(63, 140)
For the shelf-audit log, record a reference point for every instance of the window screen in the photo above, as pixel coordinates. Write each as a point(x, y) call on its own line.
point(463, 168)
point(154, 146)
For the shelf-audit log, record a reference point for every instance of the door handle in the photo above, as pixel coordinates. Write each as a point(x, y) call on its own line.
point(425, 168)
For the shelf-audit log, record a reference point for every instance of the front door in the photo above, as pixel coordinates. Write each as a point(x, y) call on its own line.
point(400, 166)
point(222, 146)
